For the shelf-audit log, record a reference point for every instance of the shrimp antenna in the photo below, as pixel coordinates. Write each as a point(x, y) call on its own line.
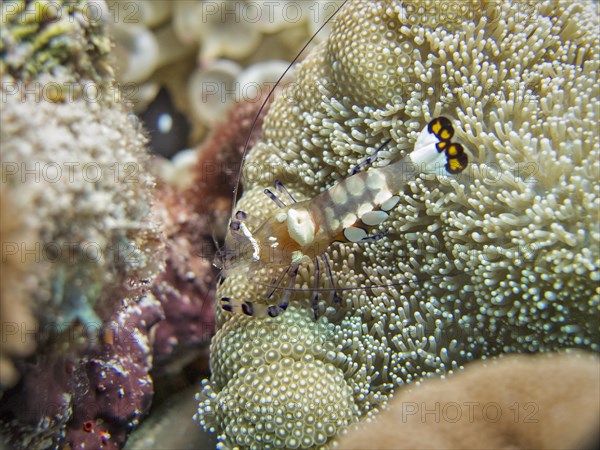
point(245, 151)
point(217, 259)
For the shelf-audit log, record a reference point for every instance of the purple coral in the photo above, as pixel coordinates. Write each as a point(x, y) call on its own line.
point(184, 288)
point(119, 388)
point(90, 401)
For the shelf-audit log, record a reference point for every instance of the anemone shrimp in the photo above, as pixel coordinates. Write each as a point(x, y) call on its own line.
point(303, 231)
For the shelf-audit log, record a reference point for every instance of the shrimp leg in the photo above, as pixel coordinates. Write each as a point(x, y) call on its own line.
point(336, 297)
point(370, 159)
point(280, 187)
point(315, 301)
point(284, 301)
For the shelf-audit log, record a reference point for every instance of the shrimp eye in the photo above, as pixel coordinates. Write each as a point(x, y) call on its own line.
point(241, 215)
point(235, 226)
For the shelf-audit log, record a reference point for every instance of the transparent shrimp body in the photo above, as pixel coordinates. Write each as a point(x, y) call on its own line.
point(347, 212)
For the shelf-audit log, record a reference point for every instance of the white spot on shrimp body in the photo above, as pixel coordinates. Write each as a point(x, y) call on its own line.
point(332, 221)
point(338, 194)
point(329, 214)
point(348, 220)
point(355, 185)
point(354, 234)
point(375, 180)
point(383, 195)
point(364, 209)
point(390, 203)
point(301, 226)
point(374, 218)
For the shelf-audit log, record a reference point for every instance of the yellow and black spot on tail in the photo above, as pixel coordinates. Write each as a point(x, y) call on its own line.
point(441, 127)
point(441, 146)
point(456, 158)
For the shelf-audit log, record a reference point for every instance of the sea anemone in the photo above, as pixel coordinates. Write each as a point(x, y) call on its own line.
point(503, 258)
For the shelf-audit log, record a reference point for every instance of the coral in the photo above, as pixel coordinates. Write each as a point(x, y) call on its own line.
point(45, 37)
point(218, 76)
point(87, 246)
point(91, 401)
point(73, 162)
point(139, 53)
point(177, 45)
point(235, 30)
point(214, 89)
point(77, 170)
point(519, 401)
point(503, 258)
point(185, 287)
point(15, 310)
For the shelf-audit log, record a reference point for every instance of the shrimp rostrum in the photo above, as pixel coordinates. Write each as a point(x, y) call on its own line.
point(349, 211)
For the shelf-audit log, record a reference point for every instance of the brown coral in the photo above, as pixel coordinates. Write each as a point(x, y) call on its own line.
point(15, 309)
point(544, 402)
